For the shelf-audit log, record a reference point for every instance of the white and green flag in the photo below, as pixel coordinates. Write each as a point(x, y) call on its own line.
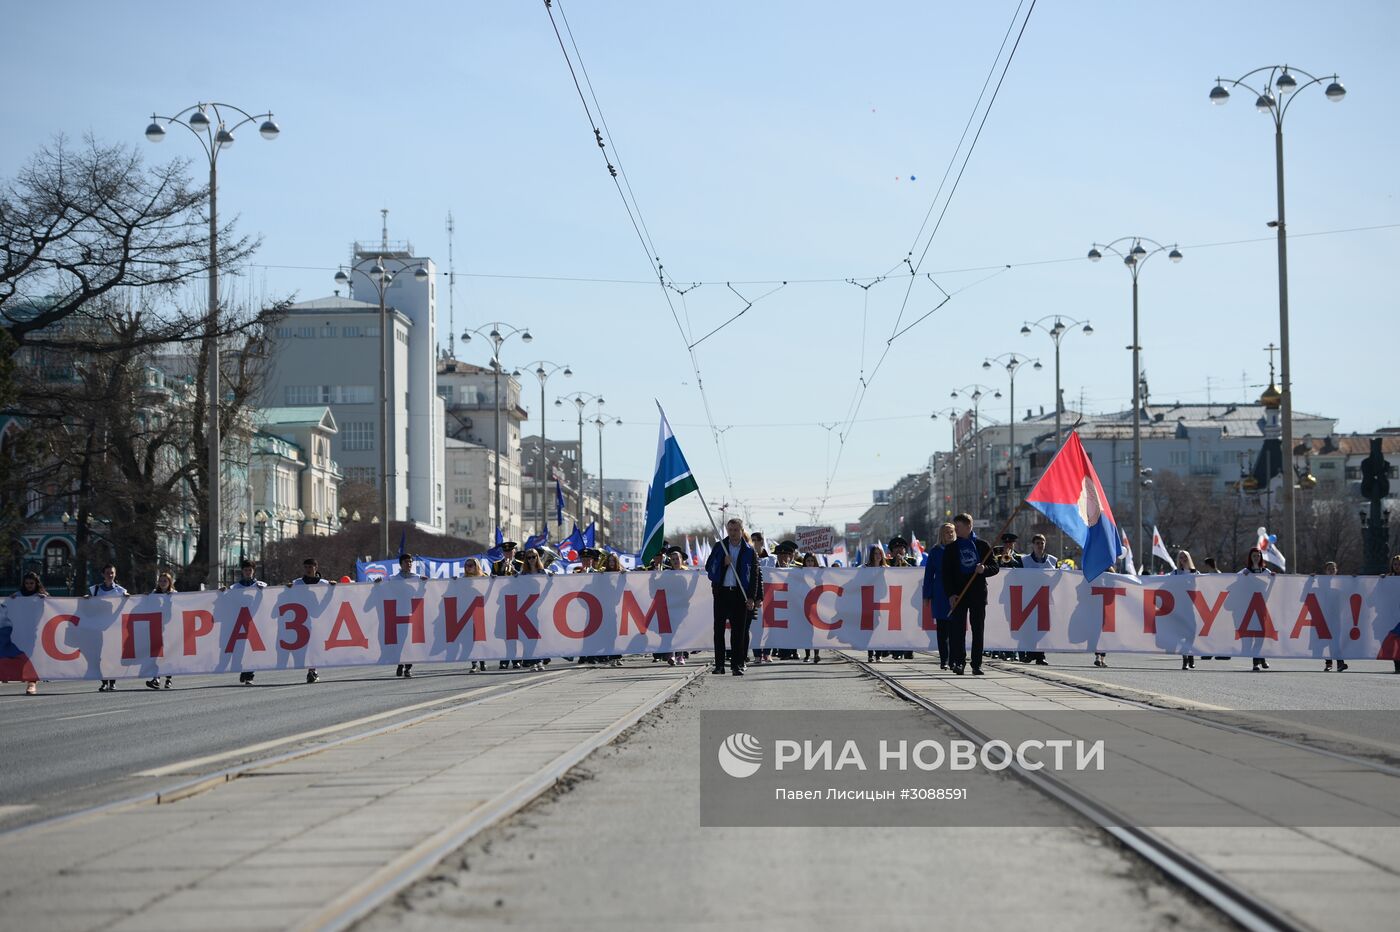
point(670, 481)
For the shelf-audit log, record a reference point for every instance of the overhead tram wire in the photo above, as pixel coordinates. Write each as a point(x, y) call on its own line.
point(634, 215)
point(1029, 263)
point(947, 201)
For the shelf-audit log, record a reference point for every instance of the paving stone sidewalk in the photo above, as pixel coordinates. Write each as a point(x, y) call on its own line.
point(271, 848)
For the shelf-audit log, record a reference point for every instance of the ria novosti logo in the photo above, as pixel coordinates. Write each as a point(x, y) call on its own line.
point(740, 755)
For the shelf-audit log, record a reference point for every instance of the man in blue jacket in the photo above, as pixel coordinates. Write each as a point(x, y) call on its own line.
point(737, 584)
point(966, 565)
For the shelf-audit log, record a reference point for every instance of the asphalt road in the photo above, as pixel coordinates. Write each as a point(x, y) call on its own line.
point(72, 747)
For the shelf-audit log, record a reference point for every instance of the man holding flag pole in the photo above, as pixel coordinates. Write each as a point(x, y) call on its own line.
point(732, 566)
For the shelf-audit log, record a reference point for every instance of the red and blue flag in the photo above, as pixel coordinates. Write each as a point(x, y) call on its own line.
point(1070, 495)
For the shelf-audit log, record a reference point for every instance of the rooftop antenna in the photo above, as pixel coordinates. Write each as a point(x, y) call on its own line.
point(451, 288)
point(384, 229)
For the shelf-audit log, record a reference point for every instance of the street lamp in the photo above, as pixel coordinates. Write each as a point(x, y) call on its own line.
point(260, 522)
point(1134, 257)
point(581, 400)
point(600, 422)
point(214, 135)
point(1277, 93)
point(952, 414)
point(498, 334)
point(1013, 362)
point(242, 526)
point(974, 393)
point(380, 278)
point(1057, 331)
point(543, 369)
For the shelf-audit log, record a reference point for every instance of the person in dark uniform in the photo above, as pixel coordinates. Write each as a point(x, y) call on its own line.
point(899, 556)
point(588, 563)
point(507, 565)
point(785, 557)
point(967, 562)
point(737, 583)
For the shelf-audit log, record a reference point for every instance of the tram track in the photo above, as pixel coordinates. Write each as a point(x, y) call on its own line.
point(1243, 906)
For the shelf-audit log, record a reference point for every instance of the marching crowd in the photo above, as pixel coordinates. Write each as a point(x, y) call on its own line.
point(956, 569)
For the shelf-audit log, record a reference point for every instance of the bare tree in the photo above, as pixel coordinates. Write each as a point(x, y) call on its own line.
point(79, 223)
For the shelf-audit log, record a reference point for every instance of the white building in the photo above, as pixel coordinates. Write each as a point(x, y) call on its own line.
point(625, 501)
point(327, 352)
point(471, 493)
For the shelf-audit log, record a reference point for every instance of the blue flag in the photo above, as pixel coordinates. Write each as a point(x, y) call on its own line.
point(403, 542)
point(590, 535)
point(575, 542)
point(558, 504)
point(670, 480)
point(534, 540)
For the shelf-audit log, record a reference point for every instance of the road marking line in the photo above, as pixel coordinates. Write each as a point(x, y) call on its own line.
point(1189, 703)
point(197, 762)
point(69, 718)
point(13, 810)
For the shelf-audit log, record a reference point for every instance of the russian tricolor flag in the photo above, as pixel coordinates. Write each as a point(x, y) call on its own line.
point(1070, 495)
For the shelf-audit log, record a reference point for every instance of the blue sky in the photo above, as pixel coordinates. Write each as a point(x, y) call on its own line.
point(763, 142)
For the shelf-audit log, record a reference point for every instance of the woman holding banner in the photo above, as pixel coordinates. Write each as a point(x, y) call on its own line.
point(165, 585)
point(1185, 566)
point(876, 557)
point(934, 596)
point(14, 663)
point(1254, 566)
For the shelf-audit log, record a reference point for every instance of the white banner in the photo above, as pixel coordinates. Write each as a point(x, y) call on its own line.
point(403, 621)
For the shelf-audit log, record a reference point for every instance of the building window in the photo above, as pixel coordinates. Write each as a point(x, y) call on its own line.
point(306, 333)
point(365, 474)
point(357, 435)
point(462, 496)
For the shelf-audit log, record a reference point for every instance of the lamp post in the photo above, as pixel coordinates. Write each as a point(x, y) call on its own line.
point(581, 400)
point(260, 522)
point(1269, 98)
point(600, 422)
point(1013, 362)
point(952, 414)
point(974, 393)
point(242, 526)
point(498, 334)
point(1135, 255)
point(543, 370)
point(380, 278)
point(214, 134)
point(1057, 332)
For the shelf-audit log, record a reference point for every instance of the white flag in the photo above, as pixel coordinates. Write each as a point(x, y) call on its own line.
point(1128, 562)
point(1270, 550)
point(1159, 549)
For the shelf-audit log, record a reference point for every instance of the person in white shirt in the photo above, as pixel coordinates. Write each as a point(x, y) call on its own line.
point(311, 576)
point(108, 588)
point(247, 579)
